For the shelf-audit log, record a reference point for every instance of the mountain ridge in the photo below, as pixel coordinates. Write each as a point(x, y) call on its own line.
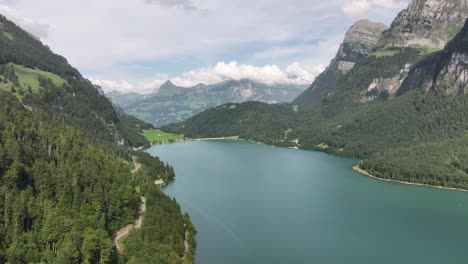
point(360, 40)
point(392, 109)
point(174, 104)
point(426, 23)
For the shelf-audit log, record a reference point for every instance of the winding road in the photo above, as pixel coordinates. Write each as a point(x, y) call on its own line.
point(123, 232)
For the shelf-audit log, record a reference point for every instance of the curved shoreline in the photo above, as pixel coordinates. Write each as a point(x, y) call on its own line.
point(367, 174)
point(355, 168)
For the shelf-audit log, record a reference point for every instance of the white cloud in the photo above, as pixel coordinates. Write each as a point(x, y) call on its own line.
point(361, 8)
point(295, 74)
point(95, 36)
point(126, 86)
point(102, 38)
point(187, 5)
point(114, 85)
point(269, 74)
point(33, 27)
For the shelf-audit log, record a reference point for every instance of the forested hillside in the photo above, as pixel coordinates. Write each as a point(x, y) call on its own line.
point(63, 195)
point(42, 79)
point(66, 180)
point(402, 108)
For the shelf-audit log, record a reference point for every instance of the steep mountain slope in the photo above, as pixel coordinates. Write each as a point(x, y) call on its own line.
point(359, 41)
point(42, 79)
point(394, 108)
point(174, 104)
point(65, 183)
point(423, 130)
point(424, 27)
point(445, 71)
point(429, 23)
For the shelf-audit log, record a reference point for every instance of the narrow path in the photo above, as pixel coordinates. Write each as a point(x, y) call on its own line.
point(136, 164)
point(186, 244)
point(123, 232)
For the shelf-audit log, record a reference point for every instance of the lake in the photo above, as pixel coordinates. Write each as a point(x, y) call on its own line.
point(259, 204)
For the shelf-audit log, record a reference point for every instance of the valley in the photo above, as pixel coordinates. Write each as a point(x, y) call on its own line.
point(172, 104)
point(399, 106)
point(147, 154)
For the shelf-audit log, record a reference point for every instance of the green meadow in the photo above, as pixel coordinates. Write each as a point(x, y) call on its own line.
point(158, 136)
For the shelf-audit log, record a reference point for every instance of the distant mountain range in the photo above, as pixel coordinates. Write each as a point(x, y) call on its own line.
point(395, 97)
point(171, 103)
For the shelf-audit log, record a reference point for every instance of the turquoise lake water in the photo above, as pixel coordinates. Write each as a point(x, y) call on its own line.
point(259, 204)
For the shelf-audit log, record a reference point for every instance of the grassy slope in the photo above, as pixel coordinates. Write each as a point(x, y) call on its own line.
point(29, 77)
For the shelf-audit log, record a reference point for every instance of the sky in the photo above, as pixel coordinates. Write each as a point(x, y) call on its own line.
point(136, 45)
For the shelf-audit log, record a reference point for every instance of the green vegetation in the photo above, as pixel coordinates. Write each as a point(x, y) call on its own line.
point(21, 80)
point(151, 243)
point(361, 170)
point(65, 167)
point(63, 194)
point(251, 120)
point(158, 136)
point(30, 77)
point(44, 80)
point(385, 53)
point(173, 104)
point(322, 146)
point(416, 135)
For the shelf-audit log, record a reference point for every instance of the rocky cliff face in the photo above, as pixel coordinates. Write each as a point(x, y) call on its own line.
point(429, 23)
point(454, 76)
point(445, 71)
point(359, 41)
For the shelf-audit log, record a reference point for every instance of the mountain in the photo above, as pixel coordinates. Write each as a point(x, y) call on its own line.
point(68, 176)
point(173, 104)
point(402, 108)
point(444, 72)
point(359, 42)
point(42, 79)
point(426, 23)
point(124, 99)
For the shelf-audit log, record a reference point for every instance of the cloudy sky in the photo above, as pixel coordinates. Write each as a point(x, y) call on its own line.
point(138, 44)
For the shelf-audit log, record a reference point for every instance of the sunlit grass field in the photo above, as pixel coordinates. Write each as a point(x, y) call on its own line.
point(158, 136)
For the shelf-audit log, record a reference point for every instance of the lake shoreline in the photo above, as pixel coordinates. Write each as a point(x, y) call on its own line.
point(355, 168)
point(363, 172)
point(315, 180)
point(182, 140)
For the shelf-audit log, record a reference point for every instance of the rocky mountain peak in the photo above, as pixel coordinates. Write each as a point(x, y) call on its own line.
point(365, 28)
point(430, 23)
point(359, 41)
point(167, 84)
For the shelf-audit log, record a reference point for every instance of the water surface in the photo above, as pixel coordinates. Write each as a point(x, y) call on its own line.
point(259, 204)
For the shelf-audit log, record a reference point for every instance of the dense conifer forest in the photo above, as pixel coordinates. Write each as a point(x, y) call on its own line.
point(66, 161)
